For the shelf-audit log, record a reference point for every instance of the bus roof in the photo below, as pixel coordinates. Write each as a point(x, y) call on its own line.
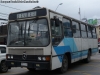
point(65, 16)
point(70, 17)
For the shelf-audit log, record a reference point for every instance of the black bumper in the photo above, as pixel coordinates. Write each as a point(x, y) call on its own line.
point(29, 64)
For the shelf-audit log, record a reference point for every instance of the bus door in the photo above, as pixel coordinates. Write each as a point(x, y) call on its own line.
point(57, 43)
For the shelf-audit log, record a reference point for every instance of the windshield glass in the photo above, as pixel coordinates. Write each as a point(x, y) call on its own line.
point(28, 33)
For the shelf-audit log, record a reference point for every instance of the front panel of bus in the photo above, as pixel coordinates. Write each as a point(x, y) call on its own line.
point(28, 40)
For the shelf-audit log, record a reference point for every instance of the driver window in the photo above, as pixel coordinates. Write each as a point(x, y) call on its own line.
point(56, 30)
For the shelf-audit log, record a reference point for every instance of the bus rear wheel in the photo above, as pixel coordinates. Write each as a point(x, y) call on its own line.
point(88, 59)
point(64, 66)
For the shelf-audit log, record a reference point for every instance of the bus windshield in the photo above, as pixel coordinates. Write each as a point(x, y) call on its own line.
point(28, 33)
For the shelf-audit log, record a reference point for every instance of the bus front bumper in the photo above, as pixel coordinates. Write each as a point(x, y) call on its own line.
point(29, 64)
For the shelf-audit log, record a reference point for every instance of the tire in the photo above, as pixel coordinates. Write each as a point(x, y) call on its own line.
point(88, 59)
point(31, 69)
point(3, 67)
point(64, 66)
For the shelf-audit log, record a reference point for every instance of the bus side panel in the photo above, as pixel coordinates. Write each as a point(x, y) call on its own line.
point(84, 47)
point(77, 49)
point(90, 43)
point(58, 52)
point(47, 50)
point(95, 46)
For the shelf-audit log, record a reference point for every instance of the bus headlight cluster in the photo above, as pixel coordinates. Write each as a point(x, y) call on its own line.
point(10, 57)
point(43, 58)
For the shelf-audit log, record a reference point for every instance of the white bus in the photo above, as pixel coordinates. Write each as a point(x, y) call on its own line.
point(44, 39)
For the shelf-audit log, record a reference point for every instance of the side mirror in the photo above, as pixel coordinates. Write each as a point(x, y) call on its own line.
point(57, 22)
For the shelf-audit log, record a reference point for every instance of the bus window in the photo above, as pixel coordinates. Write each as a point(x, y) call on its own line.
point(67, 28)
point(76, 29)
point(56, 31)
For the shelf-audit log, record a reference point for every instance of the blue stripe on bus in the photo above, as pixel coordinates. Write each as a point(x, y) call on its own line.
point(71, 43)
point(79, 54)
point(94, 50)
point(70, 46)
point(61, 50)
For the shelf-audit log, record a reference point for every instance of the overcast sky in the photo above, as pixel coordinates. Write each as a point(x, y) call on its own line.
point(89, 8)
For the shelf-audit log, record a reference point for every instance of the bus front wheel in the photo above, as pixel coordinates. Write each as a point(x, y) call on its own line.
point(31, 69)
point(64, 66)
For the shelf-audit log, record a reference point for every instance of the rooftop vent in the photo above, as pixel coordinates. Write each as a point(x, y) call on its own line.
point(37, 7)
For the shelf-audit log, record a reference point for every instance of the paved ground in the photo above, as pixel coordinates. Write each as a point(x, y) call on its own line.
point(79, 68)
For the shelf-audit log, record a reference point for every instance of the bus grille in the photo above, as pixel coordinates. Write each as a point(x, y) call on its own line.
point(20, 51)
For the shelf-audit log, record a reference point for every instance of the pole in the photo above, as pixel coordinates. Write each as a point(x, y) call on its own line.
point(58, 6)
point(79, 14)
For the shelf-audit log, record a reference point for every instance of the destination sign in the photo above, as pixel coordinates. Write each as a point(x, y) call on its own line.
point(28, 14)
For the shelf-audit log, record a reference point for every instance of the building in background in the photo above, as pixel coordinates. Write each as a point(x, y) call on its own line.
point(91, 21)
point(98, 32)
point(3, 31)
point(3, 34)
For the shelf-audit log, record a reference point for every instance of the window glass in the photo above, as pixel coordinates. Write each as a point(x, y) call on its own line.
point(83, 27)
point(94, 35)
point(56, 30)
point(89, 28)
point(94, 29)
point(76, 33)
point(84, 34)
point(67, 32)
point(66, 23)
point(75, 25)
point(53, 27)
point(89, 35)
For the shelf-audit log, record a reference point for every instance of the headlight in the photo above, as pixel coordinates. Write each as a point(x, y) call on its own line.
point(44, 58)
point(47, 58)
point(11, 57)
point(8, 57)
point(39, 58)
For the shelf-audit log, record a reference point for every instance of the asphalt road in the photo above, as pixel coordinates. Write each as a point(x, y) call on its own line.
point(79, 68)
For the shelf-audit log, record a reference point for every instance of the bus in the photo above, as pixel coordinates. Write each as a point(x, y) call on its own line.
point(41, 38)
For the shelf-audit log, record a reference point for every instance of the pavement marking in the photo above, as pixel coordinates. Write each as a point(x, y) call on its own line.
point(94, 66)
point(9, 73)
point(83, 72)
point(32, 72)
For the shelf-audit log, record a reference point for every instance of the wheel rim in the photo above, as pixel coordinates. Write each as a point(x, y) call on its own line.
point(4, 67)
point(65, 64)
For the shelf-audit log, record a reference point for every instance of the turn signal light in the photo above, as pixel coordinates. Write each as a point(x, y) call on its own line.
point(47, 58)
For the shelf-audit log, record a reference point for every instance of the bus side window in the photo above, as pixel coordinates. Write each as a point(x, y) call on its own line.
point(56, 32)
point(56, 29)
point(67, 28)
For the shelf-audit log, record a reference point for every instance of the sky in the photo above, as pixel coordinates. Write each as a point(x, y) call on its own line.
point(88, 8)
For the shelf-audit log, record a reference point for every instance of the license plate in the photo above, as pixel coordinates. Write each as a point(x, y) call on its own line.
point(23, 64)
